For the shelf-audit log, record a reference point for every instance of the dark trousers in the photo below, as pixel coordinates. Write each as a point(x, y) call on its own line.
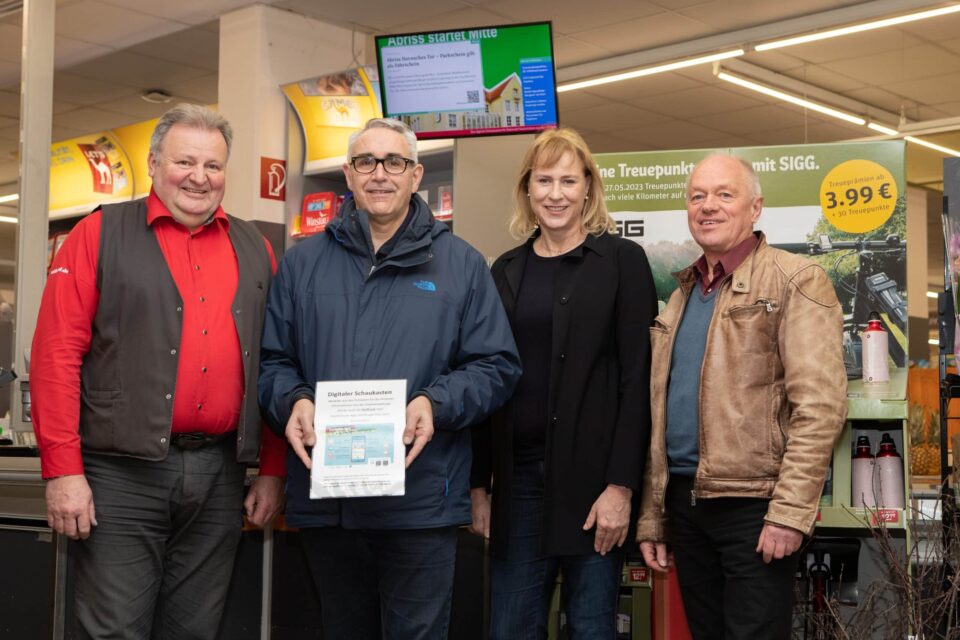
point(391, 584)
point(728, 592)
point(522, 583)
point(159, 561)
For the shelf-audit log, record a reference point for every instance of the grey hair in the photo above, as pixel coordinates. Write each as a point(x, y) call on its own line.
point(191, 115)
point(753, 180)
point(386, 123)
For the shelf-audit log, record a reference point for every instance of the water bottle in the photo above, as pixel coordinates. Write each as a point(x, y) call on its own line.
point(861, 475)
point(874, 351)
point(889, 485)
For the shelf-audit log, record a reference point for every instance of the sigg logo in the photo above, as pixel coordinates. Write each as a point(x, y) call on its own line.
point(425, 285)
point(59, 270)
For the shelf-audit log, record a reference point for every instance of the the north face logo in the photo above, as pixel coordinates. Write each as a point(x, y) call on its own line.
point(425, 285)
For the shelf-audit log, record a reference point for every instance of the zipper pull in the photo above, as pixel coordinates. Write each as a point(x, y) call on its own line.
point(372, 267)
point(693, 497)
point(766, 302)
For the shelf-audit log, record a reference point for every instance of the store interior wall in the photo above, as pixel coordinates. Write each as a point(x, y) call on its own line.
point(484, 172)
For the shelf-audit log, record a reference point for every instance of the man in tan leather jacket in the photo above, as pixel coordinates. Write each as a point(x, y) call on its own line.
point(748, 394)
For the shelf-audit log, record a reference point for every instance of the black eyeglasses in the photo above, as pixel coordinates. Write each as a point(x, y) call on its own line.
point(391, 164)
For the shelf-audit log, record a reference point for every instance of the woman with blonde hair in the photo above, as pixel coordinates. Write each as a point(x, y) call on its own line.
point(555, 470)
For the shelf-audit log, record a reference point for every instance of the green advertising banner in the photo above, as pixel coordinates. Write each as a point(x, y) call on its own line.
point(843, 205)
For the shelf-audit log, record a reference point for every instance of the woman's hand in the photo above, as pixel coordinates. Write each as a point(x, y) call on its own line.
point(611, 514)
point(480, 510)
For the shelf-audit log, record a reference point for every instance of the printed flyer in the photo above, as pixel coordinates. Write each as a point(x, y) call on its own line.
point(359, 450)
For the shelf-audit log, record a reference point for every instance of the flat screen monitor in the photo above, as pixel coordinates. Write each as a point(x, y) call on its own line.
point(470, 82)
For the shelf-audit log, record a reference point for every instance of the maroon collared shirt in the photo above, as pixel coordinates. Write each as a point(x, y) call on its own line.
point(726, 265)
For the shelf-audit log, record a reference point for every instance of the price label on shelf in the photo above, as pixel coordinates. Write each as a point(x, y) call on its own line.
point(858, 196)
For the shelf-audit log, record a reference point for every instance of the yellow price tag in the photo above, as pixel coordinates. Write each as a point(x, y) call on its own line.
point(858, 196)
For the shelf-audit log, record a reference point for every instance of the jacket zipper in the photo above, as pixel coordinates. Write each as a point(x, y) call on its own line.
point(767, 303)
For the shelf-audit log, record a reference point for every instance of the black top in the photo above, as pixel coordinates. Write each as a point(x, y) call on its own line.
point(534, 335)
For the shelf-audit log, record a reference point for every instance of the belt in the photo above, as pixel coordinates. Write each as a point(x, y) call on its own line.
point(198, 440)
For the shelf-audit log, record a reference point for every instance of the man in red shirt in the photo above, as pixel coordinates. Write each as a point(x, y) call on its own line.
point(143, 374)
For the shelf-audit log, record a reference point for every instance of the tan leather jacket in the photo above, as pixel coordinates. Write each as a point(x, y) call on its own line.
point(772, 390)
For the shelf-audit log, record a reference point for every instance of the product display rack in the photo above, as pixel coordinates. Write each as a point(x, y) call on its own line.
point(872, 408)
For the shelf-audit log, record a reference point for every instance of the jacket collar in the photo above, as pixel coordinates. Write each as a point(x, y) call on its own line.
point(740, 278)
point(351, 228)
point(516, 258)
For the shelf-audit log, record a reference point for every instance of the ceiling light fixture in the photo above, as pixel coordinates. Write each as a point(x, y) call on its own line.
point(931, 145)
point(9, 198)
point(648, 71)
point(156, 96)
point(887, 131)
point(8, 219)
point(792, 99)
point(830, 111)
point(857, 28)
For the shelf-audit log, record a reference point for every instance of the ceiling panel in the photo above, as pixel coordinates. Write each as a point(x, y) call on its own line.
point(463, 17)
point(570, 50)
point(374, 15)
point(571, 18)
point(91, 119)
point(190, 47)
point(611, 116)
point(825, 78)
point(86, 91)
point(930, 90)
point(136, 109)
point(897, 66)
point(202, 90)
point(186, 12)
point(729, 15)
point(635, 35)
point(697, 102)
point(135, 70)
point(880, 98)
point(572, 100)
point(110, 24)
point(747, 121)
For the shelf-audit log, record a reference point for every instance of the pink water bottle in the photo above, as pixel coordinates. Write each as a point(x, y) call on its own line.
point(874, 351)
point(861, 475)
point(889, 486)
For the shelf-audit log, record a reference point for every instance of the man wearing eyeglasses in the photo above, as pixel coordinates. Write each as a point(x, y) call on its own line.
point(387, 292)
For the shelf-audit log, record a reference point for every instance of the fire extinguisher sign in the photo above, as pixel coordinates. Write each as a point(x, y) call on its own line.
point(273, 178)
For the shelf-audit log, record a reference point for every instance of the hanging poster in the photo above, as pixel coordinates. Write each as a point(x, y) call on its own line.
point(331, 107)
point(92, 168)
point(842, 205)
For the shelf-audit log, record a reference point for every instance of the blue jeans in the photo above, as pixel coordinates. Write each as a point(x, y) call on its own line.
point(373, 583)
point(521, 584)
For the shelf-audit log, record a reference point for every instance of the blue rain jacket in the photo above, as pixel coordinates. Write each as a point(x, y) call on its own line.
point(428, 313)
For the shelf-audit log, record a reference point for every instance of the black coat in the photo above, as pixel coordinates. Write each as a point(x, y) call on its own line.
point(599, 411)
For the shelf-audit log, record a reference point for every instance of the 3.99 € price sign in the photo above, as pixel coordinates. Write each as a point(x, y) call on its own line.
point(858, 196)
